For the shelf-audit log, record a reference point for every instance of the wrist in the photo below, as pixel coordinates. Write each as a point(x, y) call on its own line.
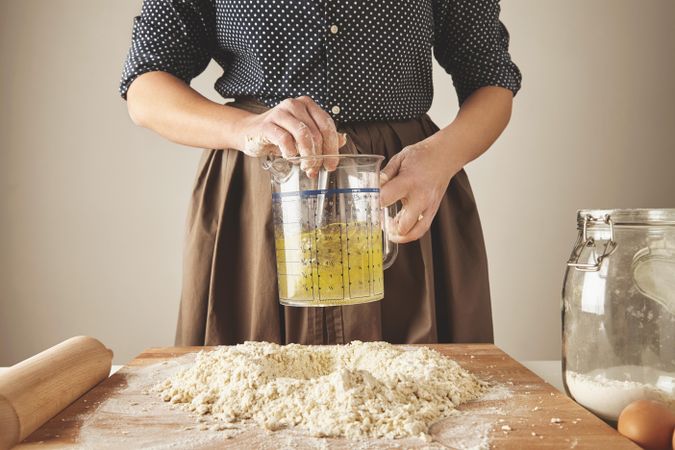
point(235, 128)
point(445, 143)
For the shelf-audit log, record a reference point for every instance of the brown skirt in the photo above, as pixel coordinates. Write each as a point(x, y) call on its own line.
point(436, 291)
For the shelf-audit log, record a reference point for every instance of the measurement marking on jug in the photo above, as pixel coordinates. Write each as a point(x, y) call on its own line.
point(349, 263)
point(327, 247)
point(370, 252)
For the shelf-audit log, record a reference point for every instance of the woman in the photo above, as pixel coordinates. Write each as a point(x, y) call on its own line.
point(304, 71)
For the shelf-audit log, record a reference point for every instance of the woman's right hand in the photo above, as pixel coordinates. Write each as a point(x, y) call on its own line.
point(295, 127)
point(166, 104)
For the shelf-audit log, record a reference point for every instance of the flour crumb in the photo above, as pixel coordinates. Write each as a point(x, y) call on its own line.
point(359, 390)
point(506, 428)
point(556, 420)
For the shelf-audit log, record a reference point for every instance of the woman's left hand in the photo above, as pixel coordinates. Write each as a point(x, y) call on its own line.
point(418, 176)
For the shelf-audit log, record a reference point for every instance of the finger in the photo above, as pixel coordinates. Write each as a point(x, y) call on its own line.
point(301, 136)
point(395, 190)
point(297, 124)
point(280, 138)
point(299, 108)
point(329, 135)
point(331, 163)
point(342, 140)
point(408, 218)
point(324, 123)
point(298, 129)
point(417, 231)
point(391, 169)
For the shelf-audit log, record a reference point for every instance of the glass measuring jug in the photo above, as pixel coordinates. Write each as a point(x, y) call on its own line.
point(330, 232)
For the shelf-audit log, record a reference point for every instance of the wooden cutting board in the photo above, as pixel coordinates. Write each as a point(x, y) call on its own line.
point(522, 412)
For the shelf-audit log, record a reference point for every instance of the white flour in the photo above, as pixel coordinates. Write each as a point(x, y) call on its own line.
point(359, 390)
point(607, 391)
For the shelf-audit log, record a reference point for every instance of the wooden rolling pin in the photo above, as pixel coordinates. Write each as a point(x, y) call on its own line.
point(35, 390)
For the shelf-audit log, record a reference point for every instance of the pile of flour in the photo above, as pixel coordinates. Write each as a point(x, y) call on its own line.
point(359, 390)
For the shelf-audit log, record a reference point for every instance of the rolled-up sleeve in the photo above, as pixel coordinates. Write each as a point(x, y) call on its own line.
point(472, 45)
point(174, 36)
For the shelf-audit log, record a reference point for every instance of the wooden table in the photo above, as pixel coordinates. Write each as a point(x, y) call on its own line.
point(118, 413)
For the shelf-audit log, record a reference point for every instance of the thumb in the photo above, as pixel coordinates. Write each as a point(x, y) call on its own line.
point(393, 184)
point(394, 191)
point(390, 170)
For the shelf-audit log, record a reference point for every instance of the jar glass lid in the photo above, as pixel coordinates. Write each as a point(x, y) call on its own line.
point(628, 217)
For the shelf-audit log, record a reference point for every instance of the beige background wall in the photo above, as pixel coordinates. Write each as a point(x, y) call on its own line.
point(92, 208)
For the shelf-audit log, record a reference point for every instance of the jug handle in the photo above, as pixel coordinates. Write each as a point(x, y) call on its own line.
point(389, 248)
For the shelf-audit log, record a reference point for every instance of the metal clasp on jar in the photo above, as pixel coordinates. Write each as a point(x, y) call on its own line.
point(589, 242)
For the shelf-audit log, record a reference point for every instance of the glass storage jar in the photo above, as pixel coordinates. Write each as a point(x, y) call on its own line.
point(618, 310)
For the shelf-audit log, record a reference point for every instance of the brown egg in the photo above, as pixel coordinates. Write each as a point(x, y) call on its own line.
point(649, 424)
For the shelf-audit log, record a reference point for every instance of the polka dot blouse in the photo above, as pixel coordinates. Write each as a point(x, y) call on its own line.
point(359, 60)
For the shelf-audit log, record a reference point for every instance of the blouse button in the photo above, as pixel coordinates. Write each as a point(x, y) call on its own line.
point(334, 29)
point(335, 109)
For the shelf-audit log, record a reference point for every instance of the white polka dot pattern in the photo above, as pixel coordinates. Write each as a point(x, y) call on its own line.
point(359, 60)
point(471, 44)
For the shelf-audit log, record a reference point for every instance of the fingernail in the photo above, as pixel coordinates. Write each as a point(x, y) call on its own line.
point(383, 178)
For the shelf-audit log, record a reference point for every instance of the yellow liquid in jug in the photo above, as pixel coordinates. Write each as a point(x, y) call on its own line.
point(339, 264)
